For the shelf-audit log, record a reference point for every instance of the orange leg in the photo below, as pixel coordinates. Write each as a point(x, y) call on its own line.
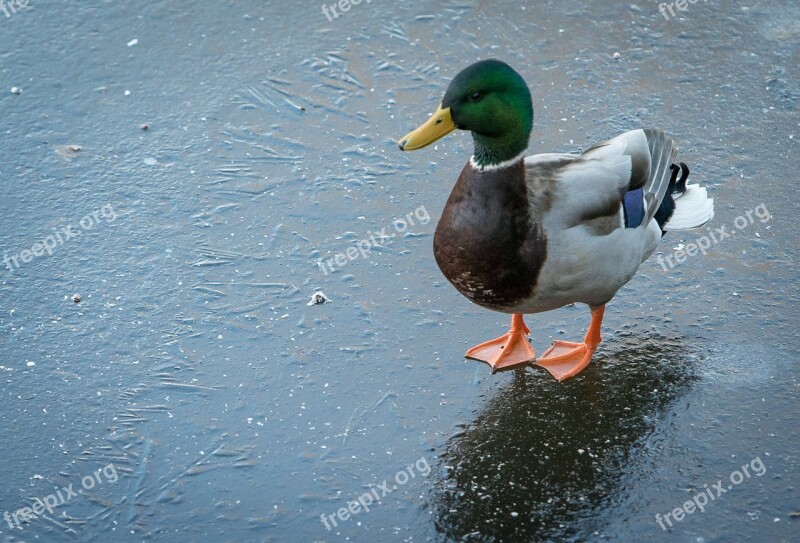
point(512, 350)
point(565, 359)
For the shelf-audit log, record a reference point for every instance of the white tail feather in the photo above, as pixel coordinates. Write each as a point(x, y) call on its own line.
point(693, 208)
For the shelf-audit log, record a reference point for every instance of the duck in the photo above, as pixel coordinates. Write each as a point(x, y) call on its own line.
point(523, 234)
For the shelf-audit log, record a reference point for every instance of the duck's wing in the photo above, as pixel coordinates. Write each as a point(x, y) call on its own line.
point(591, 188)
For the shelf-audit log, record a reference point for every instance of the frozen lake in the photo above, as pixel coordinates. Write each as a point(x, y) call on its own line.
point(184, 167)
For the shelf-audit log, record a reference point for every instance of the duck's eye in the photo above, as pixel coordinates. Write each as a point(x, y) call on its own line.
point(476, 97)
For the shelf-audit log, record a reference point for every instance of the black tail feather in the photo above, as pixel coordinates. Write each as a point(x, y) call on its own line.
point(681, 186)
point(676, 186)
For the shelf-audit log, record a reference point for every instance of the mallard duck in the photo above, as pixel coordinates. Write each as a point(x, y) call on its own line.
point(524, 235)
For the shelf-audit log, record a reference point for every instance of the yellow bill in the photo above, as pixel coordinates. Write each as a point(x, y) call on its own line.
point(439, 125)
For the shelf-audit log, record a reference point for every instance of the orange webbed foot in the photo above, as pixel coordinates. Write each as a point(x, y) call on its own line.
point(565, 359)
point(512, 350)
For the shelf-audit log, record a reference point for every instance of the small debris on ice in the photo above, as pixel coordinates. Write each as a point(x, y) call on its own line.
point(318, 298)
point(67, 151)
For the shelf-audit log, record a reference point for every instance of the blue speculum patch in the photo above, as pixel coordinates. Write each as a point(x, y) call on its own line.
point(633, 205)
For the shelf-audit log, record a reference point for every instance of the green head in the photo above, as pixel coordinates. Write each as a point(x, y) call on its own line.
point(492, 101)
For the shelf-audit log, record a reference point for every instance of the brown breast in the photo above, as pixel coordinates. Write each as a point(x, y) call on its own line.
point(487, 244)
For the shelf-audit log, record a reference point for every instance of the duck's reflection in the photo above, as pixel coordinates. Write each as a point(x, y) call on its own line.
point(542, 459)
